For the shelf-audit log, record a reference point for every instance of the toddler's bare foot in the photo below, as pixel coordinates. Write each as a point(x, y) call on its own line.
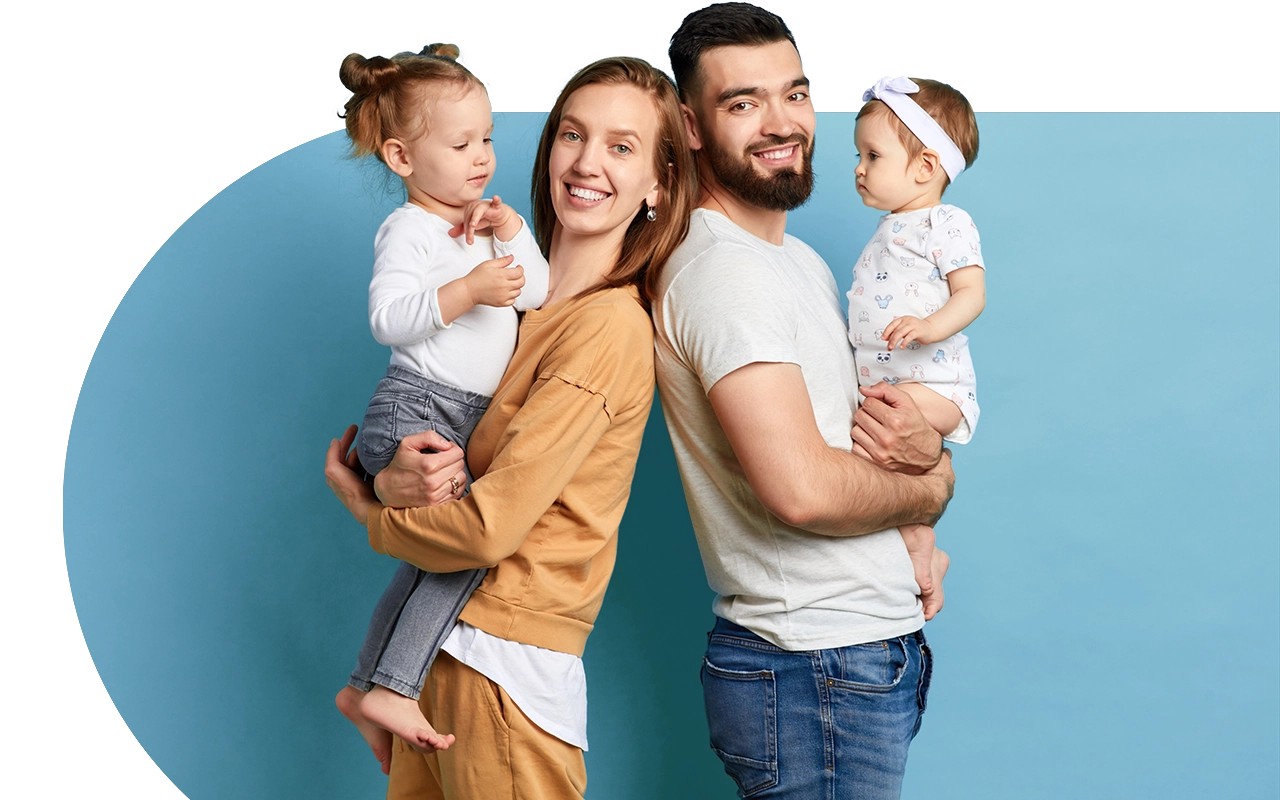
point(401, 716)
point(378, 739)
point(919, 540)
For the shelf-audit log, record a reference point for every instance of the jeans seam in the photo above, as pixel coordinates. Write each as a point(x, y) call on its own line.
point(737, 641)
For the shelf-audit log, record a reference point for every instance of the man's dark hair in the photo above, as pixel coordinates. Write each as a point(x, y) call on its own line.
point(720, 25)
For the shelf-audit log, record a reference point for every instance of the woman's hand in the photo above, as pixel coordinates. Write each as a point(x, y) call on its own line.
point(340, 472)
point(414, 478)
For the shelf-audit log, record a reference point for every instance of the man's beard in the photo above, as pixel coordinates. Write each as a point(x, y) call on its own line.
point(783, 190)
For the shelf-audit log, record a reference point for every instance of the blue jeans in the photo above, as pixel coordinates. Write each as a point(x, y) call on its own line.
point(814, 724)
point(418, 609)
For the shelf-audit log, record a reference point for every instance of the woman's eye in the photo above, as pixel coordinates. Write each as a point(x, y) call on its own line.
point(488, 140)
point(459, 147)
point(570, 136)
point(621, 149)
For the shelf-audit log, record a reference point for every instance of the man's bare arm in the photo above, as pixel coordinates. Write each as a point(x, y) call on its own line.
point(765, 411)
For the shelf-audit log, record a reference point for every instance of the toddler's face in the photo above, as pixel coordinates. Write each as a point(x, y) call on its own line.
point(453, 162)
point(883, 174)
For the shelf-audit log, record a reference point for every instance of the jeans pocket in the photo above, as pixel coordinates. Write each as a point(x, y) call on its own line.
point(452, 419)
point(378, 433)
point(926, 676)
point(875, 667)
point(742, 719)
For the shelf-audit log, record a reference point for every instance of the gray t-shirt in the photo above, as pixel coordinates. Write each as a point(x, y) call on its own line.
point(728, 299)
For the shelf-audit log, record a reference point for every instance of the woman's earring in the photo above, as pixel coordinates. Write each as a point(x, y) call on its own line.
point(651, 215)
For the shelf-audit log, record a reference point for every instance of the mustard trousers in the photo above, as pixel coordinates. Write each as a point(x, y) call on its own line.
point(499, 754)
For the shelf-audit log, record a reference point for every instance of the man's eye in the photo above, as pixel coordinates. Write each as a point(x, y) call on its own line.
point(798, 97)
point(739, 106)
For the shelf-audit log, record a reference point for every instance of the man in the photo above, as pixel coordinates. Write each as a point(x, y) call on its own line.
point(816, 672)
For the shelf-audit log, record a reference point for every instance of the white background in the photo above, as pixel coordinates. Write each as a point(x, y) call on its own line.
point(122, 119)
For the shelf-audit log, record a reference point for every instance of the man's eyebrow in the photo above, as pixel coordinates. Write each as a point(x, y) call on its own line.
point(737, 91)
point(750, 91)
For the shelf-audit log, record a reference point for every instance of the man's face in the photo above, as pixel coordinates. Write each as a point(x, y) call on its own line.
point(755, 123)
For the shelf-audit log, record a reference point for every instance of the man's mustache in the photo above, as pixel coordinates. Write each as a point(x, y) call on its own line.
point(778, 141)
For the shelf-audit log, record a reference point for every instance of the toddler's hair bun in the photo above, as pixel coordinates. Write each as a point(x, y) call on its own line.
point(365, 76)
point(441, 50)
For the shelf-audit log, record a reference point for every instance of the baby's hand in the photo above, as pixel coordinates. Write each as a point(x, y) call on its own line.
point(908, 329)
point(481, 214)
point(493, 283)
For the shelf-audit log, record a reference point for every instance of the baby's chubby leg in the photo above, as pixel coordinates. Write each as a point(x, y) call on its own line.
point(942, 415)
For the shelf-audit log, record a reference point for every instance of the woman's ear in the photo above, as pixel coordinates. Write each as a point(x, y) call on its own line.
point(396, 157)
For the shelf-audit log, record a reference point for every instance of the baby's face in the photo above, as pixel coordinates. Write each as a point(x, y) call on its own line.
point(884, 174)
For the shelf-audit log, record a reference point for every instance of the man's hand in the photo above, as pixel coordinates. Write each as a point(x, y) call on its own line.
point(343, 473)
point(414, 478)
point(889, 429)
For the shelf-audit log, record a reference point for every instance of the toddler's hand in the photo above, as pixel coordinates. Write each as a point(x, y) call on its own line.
point(481, 214)
point(493, 283)
point(908, 329)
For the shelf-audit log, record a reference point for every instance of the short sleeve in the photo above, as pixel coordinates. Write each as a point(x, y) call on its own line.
point(954, 241)
point(723, 312)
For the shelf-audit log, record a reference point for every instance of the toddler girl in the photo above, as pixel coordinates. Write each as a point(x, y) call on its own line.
point(451, 326)
point(919, 281)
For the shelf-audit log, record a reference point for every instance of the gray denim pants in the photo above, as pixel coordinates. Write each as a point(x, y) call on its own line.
point(418, 609)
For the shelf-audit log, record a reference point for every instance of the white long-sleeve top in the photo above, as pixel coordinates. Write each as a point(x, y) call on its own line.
point(413, 257)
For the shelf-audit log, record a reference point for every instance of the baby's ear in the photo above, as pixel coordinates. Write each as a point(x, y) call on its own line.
point(928, 165)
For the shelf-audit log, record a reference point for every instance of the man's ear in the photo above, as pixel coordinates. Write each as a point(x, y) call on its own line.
point(928, 166)
point(396, 157)
point(691, 127)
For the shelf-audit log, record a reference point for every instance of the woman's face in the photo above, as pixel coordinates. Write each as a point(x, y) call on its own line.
point(601, 165)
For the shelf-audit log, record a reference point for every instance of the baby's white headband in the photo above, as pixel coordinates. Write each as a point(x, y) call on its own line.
point(893, 93)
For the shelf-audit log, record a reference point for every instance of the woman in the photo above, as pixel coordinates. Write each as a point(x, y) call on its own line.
point(553, 456)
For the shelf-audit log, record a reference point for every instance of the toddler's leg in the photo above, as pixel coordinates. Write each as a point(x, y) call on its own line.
point(942, 415)
point(424, 623)
point(381, 627)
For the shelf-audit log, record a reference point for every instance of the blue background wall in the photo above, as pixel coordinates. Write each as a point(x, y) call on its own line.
point(1113, 611)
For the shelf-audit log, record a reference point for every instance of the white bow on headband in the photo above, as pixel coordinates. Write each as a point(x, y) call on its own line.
point(894, 92)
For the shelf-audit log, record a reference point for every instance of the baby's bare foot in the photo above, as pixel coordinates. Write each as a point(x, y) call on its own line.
point(402, 716)
point(933, 598)
point(920, 540)
point(378, 739)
